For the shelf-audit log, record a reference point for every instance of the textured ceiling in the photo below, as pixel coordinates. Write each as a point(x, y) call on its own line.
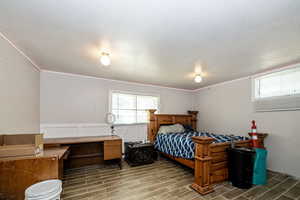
point(156, 42)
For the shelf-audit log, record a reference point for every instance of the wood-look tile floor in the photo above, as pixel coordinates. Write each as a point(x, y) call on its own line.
point(164, 180)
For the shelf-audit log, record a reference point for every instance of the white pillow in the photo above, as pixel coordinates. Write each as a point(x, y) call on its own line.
point(176, 128)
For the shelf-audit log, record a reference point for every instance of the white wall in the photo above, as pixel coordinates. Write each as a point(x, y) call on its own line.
point(227, 108)
point(19, 97)
point(71, 99)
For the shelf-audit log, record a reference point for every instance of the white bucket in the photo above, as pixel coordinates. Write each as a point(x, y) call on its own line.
point(46, 190)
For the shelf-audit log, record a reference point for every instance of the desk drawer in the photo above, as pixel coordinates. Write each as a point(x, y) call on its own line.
point(112, 149)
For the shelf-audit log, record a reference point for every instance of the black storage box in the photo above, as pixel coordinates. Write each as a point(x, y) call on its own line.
point(241, 163)
point(138, 153)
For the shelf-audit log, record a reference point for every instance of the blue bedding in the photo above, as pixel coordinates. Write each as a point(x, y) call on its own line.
point(181, 144)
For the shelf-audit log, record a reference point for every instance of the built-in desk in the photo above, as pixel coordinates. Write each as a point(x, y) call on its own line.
point(88, 150)
point(18, 173)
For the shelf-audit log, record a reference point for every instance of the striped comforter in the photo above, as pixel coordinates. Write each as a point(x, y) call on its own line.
point(181, 144)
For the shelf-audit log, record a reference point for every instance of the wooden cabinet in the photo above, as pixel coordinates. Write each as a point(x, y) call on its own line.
point(112, 149)
point(18, 173)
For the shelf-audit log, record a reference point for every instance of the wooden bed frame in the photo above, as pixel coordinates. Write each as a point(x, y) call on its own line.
point(210, 163)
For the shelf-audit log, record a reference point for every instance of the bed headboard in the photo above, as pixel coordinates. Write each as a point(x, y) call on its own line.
point(156, 120)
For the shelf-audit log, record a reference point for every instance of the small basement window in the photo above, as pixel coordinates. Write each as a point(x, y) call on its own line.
point(131, 108)
point(277, 90)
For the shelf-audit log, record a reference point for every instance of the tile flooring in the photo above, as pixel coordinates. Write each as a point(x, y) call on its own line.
point(164, 180)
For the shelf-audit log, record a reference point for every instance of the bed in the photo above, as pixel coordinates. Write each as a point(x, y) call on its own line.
point(203, 152)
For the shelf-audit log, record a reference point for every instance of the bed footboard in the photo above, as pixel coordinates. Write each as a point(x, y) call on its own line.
point(203, 159)
point(211, 162)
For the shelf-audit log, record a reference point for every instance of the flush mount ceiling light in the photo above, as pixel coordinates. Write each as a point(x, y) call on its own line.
point(198, 78)
point(105, 59)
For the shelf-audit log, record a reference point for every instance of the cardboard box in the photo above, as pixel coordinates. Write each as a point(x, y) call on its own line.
point(36, 139)
point(13, 145)
point(17, 150)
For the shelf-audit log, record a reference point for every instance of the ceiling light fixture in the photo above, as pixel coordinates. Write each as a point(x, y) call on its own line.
point(105, 59)
point(198, 78)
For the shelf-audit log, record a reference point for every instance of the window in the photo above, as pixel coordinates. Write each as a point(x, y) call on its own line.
point(132, 108)
point(278, 90)
point(277, 84)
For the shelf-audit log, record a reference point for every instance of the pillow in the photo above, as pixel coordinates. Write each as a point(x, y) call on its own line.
point(188, 128)
point(176, 128)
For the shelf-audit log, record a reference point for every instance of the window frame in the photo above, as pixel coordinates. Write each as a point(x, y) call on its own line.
point(135, 94)
point(254, 96)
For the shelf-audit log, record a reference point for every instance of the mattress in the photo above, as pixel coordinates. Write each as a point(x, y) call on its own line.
point(181, 145)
